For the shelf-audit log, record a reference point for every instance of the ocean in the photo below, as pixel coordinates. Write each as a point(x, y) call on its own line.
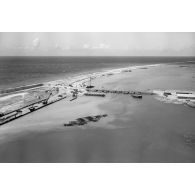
point(19, 71)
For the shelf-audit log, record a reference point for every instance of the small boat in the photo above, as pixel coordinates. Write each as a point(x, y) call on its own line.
point(32, 109)
point(166, 93)
point(136, 95)
point(191, 104)
point(89, 86)
point(127, 70)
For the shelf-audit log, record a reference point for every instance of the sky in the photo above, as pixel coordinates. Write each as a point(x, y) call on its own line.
point(97, 44)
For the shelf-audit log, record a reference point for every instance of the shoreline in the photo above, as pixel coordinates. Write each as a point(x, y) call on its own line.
point(67, 86)
point(3, 92)
point(75, 79)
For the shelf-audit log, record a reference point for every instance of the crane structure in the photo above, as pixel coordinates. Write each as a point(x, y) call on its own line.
point(46, 100)
point(90, 86)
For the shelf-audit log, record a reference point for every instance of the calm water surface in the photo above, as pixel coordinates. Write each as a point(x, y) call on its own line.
point(17, 71)
point(145, 131)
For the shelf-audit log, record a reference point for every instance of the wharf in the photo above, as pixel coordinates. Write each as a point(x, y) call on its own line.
point(120, 91)
point(95, 94)
point(22, 111)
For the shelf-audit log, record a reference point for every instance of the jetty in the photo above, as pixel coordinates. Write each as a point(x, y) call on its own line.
point(95, 94)
point(27, 109)
point(148, 92)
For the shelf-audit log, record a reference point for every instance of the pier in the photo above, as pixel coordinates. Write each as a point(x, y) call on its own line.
point(22, 111)
point(95, 94)
point(120, 91)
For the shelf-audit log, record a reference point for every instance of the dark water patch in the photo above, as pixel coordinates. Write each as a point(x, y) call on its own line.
point(17, 71)
point(85, 120)
point(153, 133)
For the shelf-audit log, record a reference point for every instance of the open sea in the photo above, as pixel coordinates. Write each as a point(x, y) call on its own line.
point(19, 71)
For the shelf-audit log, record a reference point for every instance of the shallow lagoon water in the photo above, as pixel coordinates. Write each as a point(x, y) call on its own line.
point(145, 130)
